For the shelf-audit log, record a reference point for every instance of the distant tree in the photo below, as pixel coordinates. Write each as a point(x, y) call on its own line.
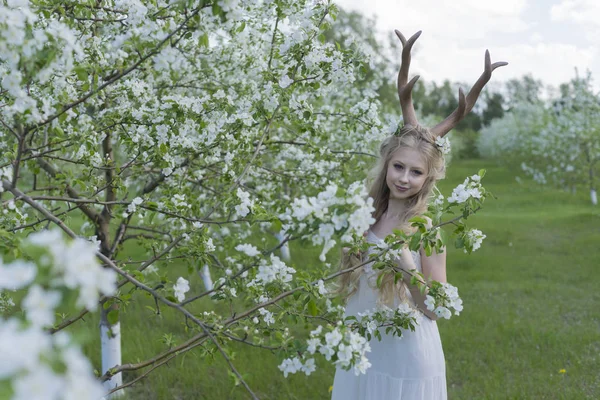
point(555, 141)
point(494, 107)
point(526, 89)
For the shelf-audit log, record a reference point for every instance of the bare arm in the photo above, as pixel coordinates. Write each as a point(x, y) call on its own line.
point(434, 268)
point(407, 263)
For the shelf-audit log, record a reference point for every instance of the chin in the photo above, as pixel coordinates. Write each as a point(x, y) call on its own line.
point(403, 196)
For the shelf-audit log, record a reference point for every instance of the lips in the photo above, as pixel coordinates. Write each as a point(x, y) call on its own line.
point(400, 188)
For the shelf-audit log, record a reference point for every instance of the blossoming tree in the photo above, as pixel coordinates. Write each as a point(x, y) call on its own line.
point(556, 141)
point(187, 129)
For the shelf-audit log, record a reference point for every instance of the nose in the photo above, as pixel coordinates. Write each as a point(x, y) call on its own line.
point(403, 177)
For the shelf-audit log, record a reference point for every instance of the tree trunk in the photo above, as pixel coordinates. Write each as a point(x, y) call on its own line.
point(110, 335)
point(206, 278)
point(593, 195)
point(110, 339)
point(285, 249)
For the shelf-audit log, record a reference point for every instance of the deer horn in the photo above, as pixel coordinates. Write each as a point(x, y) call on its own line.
point(465, 105)
point(405, 89)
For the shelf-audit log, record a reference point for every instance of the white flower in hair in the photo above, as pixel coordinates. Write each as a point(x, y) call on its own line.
point(443, 144)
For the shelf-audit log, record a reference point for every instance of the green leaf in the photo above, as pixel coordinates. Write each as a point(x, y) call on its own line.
point(82, 74)
point(203, 40)
point(459, 243)
point(241, 27)
point(428, 250)
point(397, 277)
point(163, 149)
point(418, 220)
point(112, 317)
point(236, 380)
point(312, 308)
point(379, 265)
point(276, 225)
point(380, 279)
point(415, 241)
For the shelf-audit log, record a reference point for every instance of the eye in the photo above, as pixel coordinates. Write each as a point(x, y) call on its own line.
point(417, 172)
point(398, 166)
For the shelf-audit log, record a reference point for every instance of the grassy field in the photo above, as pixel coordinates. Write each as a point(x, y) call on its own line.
point(530, 328)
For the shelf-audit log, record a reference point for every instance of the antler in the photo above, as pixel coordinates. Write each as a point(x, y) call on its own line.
point(465, 105)
point(405, 89)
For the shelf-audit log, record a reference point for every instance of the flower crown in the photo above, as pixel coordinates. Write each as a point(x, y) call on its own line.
point(440, 143)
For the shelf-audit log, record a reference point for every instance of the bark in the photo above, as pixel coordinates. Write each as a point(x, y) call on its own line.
point(285, 248)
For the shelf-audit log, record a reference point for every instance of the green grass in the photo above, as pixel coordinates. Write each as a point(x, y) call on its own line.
point(531, 309)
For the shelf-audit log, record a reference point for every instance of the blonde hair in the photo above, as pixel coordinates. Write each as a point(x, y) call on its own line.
point(423, 141)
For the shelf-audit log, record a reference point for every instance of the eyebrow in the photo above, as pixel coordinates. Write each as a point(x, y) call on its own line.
point(412, 167)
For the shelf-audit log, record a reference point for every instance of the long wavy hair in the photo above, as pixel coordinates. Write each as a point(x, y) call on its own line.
point(421, 140)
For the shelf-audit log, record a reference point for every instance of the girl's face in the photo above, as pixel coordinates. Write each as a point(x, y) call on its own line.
point(406, 173)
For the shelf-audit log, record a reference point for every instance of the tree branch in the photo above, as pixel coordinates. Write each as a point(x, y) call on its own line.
point(90, 213)
point(120, 75)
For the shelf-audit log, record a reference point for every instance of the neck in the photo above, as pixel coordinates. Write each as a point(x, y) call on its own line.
point(396, 210)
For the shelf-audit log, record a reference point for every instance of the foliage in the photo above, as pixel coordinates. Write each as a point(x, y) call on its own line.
point(191, 131)
point(556, 141)
point(36, 364)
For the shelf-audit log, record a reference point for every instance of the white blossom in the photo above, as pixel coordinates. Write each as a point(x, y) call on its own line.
point(20, 349)
point(39, 306)
point(285, 81)
point(312, 345)
point(321, 287)
point(181, 288)
point(442, 312)
point(470, 188)
point(443, 144)
point(430, 303)
point(248, 249)
point(290, 366)
point(475, 238)
point(275, 270)
point(309, 366)
point(133, 205)
point(39, 383)
point(267, 316)
point(16, 274)
point(243, 208)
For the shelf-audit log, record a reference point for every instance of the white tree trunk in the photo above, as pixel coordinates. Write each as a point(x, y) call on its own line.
point(594, 197)
point(206, 278)
point(110, 339)
point(285, 249)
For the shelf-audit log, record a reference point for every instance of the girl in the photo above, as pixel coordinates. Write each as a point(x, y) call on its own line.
point(411, 367)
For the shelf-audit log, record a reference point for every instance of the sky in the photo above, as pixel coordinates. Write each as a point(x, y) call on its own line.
point(545, 38)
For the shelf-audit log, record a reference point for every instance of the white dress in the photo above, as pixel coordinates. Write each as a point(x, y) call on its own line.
point(408, 368)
